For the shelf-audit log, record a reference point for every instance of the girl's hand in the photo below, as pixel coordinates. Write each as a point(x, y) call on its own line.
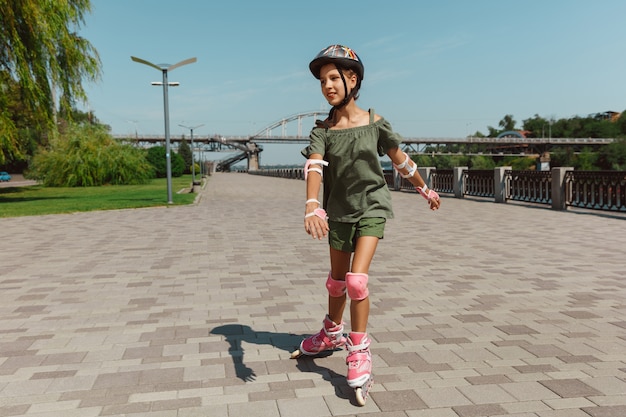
point(434, 203)
point(431, 196)
point(316, 227)
point(315, 222)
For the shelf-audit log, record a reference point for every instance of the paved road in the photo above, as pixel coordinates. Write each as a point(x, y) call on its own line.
point(479, 309)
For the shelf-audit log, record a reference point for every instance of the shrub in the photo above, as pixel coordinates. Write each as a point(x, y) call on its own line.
point(88, 156)
point(156, 157)
point(184, 150)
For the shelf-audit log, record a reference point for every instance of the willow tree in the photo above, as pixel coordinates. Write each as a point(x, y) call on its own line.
point(42, 58)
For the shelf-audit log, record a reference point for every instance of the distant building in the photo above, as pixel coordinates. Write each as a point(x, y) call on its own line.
point(607, 115)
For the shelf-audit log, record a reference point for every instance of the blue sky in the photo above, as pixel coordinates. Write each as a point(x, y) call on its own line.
point(444, 68)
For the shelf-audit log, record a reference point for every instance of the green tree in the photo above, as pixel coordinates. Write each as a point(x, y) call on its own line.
point(450, 161)
point(613, 156)
point(424, 160)
point(507, 123)
point(178, 165)
point(621, 125)
point(185, 152)
point(537, 127)
point(493, 132)
point(156, 157)
point(41, 57)
point(481, 162)
point(569, 128)
point(586, 160)
point(562, 157)
point(519, 163)
point(88, 156)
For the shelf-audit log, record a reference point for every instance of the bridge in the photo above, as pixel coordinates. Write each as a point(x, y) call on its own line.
point(293, 129)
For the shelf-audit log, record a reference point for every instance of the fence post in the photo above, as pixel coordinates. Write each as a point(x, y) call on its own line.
point(500, 185)
point(558, 187)
point(397, 179)
point(458, 185)
point(426, 174)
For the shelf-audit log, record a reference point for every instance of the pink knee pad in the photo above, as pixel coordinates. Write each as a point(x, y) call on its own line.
point(357, 286)
point(335, 287)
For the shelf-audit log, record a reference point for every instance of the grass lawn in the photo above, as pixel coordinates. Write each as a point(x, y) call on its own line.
point(38, 200)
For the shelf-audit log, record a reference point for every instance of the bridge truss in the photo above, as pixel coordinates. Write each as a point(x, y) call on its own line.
point(282, 131)
point(267, 131)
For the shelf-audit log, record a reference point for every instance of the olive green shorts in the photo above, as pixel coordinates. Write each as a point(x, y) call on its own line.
point(343, 236)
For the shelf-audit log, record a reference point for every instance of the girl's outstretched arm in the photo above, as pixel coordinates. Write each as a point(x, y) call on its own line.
point(408, 169)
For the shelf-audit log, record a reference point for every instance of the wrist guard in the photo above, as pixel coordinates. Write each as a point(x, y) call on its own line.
point(427, 193)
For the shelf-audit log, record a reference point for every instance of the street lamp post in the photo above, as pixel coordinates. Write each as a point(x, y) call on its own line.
point(135, 122)
point(193, 165)
point(164, 68)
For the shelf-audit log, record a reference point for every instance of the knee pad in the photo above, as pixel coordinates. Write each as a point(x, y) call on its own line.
point(356, 285)
point(335, 287)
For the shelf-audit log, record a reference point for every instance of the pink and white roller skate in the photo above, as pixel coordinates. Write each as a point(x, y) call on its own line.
point(359, 362)
point(329, 338)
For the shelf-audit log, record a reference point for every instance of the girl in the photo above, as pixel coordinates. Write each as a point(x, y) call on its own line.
point(344, 155)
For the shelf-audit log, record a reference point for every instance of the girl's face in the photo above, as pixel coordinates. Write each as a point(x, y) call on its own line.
point(332, 85)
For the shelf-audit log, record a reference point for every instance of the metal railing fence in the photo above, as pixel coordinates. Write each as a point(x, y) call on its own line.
point(595, 190)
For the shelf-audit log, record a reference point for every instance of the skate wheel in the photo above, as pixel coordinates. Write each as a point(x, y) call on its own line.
point(361, 392)
point(361, 397)
point(296, 354)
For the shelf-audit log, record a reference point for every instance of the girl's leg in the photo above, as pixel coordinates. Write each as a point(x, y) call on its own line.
point(363, 255)
point(331, 336)
point(339, 266)
point(359, 359)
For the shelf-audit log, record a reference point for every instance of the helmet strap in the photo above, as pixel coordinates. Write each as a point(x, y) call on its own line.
point(347, 97)
point(345, 89)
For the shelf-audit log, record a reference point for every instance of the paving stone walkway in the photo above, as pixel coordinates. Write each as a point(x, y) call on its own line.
point(479, 309)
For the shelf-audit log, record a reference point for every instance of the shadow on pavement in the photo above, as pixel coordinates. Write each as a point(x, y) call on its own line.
point(235, 334)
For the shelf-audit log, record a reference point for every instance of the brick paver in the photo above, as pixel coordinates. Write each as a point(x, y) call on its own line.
point(479, 309)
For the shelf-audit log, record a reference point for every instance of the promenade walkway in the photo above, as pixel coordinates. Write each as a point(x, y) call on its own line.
point(479, 309)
